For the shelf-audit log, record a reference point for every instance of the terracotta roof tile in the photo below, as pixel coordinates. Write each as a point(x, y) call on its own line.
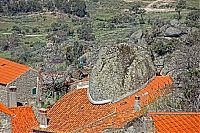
point(74, 110)
point(4, 109)
point(9, 70)
point(24, 119)
point(176, 122)
point(126, 114)
point(74, 113)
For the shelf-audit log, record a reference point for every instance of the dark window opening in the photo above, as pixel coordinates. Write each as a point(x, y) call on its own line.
point(34, 91)
point(19, 104)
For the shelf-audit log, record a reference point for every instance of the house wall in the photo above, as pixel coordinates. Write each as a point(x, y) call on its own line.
point(83, 85)
point(24, 85)
point(5, 128)
point(3, 95)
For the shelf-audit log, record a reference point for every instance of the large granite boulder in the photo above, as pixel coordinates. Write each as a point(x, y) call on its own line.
point(118, 70)
point(173, 32)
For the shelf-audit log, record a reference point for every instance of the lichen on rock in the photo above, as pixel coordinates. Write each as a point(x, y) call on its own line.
point(120, 69)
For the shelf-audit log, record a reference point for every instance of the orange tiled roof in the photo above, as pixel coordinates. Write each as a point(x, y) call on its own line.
point(73, 112)
point(124, 108)
point(4, 109)
point(24, 119)
point(176, 122)
point(9, 70)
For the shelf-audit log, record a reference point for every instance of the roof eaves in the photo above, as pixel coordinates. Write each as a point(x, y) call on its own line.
point(173, 113)
point(6, 110)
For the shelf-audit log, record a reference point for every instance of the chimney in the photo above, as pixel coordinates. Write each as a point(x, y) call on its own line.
point(39, 85)
point(137, 104)
point(43, 118)
point(12, 96)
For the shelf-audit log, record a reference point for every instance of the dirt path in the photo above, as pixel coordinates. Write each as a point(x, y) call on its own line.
point(149, 7)
point(153, 3)
point(38, 35)
point(130, 0)
point(159, 10)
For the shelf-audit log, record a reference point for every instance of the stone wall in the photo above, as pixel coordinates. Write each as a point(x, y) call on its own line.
point(5, 123)
point(3, 95)
point(24, 85)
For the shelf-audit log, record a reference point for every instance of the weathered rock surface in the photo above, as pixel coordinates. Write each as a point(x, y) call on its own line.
point(138, 38)
point(175, 23)
point(173, 32)
point(119, 69)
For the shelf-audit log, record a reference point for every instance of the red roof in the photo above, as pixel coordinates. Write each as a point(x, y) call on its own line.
point(9, 70)
point(176, 122)
point(124, 108)
point(4, 109)
point(24, 119)
point(74, 112)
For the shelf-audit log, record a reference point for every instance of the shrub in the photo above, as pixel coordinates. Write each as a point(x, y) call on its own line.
point(16, 29)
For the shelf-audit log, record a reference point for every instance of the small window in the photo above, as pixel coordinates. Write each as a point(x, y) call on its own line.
point(34, 91)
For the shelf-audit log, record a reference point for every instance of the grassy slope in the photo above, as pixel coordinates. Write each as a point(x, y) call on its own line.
point(103, 10)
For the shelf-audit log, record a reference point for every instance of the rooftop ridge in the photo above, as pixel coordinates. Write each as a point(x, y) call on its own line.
point(138, 89)
point(26, 106)
point(134, 91)
point(6, 110)
point(174, 113)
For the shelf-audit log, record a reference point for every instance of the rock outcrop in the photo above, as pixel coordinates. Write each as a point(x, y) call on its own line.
point(173, 32)
point(119, 69)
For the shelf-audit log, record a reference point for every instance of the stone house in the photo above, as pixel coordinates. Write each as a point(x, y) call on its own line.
point(17, 82)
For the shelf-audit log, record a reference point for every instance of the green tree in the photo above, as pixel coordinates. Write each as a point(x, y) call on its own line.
point(138, 11)
point(78, 7)
point(181, 4)
point(35, 29)
point(194, 15)
point(85, 32)
point(1, 7)
point(135, 8)
point(16, 29)
point(66, 7)
point(50, 5)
